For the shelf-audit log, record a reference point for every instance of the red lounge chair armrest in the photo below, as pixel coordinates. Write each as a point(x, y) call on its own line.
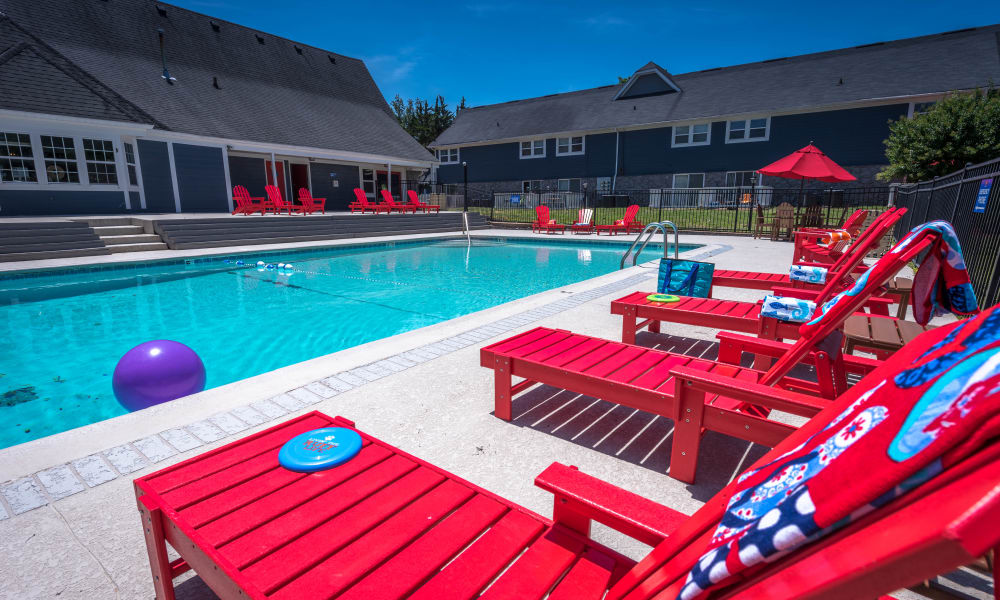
point(732, 345)
point(809, 235)
point(755, 393)
point(580, 498)
point(860, 364)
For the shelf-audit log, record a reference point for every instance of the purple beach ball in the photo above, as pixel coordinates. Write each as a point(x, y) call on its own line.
point(155, 372)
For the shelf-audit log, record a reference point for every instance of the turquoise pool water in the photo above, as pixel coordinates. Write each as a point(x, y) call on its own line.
point(64, 333)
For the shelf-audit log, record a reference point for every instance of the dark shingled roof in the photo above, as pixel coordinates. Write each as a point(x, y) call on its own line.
point(269, 93)
point(922, 65)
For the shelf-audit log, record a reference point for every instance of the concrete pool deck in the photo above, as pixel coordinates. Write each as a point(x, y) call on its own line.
point(68, 523)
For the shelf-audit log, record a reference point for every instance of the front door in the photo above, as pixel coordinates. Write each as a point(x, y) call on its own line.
point(300, 178)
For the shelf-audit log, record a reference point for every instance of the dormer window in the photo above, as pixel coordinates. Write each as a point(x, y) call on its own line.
point(696, 134)
point(650, 80)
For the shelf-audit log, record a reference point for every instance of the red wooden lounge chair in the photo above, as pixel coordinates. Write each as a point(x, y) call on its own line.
point(543, 223)
point(584, 221)
point(393, 206)
point(310, 204)
point(643, 378)
point(732, 315)
point(625, 225)
point(423, 206)
point(808, 248)
point(388, 525)
point(869, 240)
point(245, 204)
point(277, 205)
point(362, 205)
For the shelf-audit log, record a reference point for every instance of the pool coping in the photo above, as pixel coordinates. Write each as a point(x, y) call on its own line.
point(38, 472)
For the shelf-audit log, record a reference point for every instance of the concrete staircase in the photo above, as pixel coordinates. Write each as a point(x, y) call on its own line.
point(122, 234)
point(241, 231)
point(35, 240)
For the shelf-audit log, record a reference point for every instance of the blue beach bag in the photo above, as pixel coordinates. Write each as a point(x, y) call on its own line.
point(685, 277)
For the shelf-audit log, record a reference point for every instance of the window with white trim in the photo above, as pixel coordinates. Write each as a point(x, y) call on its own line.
point(368, 181)
point(919, 108)
point(689, 180)
point(697, 134)
point(568, 185)
point(133, 178)
point(567, 146)
point(531, 185)
point(17, 162)
point(448, 155)
point(533, 149)
point(748, 130)
point(60, 159)
point(100, 158)
point(741, 178)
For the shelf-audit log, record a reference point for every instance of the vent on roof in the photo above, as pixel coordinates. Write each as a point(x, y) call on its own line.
point(215, 83)
point(161, 10)
point(260, 38)
point(298, 49)
point(870, 45)
point(215, 25)
point(332, 59)
point(959, 30)
point(163, 58)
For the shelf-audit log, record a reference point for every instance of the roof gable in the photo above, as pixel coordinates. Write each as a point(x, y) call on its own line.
point(649, 80)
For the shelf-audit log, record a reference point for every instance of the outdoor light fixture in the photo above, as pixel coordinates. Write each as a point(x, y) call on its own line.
point(163, 58)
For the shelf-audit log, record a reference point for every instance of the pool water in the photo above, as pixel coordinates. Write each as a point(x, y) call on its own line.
point(64, 333)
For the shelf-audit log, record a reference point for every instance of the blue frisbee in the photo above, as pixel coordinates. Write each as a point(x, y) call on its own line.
point(319, 449)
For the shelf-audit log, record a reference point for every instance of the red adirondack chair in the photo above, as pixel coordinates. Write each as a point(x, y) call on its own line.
point(387, 524)
point(807, 241)
point(866, 242)
point(423, 206)
point(394, 206)
point(643, 378)
point(625, 225)
point(545, 224)
point(584, 221)
point(277, 204)
point(245, 204)
point(310, 204)
point(362, 205)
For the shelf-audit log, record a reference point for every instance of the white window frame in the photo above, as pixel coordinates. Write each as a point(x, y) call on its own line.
point(373, 180)
point(115, 169)
point(673, 181)
point(569, 184)
point(450, 152)
point(673, 135)
point(30, 160)
point(760, 178)
point(529, 190)
point(569, 145)
point(81, 166)
point(746, 130)
point(912, 111)
point(533, 142)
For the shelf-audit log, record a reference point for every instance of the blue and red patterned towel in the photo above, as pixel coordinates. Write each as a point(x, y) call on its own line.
point(901, 431)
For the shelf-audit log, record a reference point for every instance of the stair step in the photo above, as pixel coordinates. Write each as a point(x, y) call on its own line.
point(142, 238)
point(140, 247)
point(107, 230)
point(107, 221)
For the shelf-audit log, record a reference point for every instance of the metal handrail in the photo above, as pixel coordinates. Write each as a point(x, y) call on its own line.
point(652, 228)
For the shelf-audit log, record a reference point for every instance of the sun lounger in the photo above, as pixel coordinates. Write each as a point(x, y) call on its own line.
point(809, 246)
point(277, 204)
point(423, 206)
point(543, 223)
point(584, 221)
point(310, 204)
point(362, 205)
point(624, 225)
point(644, 379)
point(388, 525)
point(245, 204)
point(393, 206)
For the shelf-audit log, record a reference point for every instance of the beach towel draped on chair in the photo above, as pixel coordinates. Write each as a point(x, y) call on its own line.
point(793, 310)
point(907, 428)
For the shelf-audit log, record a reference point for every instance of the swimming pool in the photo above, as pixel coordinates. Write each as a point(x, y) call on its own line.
point(65, 331)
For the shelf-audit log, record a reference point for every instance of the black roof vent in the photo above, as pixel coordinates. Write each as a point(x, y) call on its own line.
point(215, 83)
point(260, 38)
point(215, 25)
point(332, 59)
point(298, 49)
point(161, 10)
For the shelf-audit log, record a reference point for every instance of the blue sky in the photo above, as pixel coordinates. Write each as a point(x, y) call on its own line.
point(493, 51)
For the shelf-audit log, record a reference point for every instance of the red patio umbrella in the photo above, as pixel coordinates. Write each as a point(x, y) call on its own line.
point(807, 163)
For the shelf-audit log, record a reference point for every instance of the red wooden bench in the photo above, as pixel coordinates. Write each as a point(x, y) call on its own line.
point(394, 206)
point(423, 206)
point(625, 225)
point(310, 204)
point(543, 223)
point(245, 204)
point(362, 205)
point(277, 204)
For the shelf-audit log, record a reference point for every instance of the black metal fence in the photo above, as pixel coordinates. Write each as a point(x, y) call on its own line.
point(970, 201)
point(730, 209)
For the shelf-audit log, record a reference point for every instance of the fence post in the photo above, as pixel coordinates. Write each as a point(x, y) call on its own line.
point(958, 196)
point(493, 203)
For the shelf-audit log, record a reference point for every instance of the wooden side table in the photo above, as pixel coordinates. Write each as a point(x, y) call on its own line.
point(881, 335)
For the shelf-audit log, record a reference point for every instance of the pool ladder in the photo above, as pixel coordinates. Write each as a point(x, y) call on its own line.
point(649, 231)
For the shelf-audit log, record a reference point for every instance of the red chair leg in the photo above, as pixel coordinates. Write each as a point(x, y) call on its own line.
point(689, 409)
point(629, 321)
point(156, 547)
point(502, 388)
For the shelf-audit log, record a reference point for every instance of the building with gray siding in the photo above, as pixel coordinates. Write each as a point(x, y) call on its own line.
point(119, 106)
point(713, 128)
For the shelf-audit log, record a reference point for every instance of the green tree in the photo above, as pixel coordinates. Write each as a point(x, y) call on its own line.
point(422, 120)
point(960, 129)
